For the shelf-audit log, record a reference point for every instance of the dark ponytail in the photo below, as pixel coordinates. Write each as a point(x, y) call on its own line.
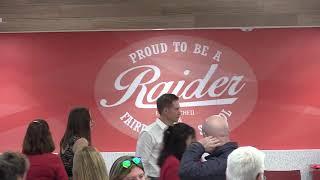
point(174, 141)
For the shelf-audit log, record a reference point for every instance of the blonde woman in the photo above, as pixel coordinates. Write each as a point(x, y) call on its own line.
point(88, 164)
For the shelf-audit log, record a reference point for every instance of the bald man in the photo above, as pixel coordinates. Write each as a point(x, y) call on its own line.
point(216, 142)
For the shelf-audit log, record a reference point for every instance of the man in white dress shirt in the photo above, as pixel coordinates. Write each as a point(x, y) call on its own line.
point(150, 139)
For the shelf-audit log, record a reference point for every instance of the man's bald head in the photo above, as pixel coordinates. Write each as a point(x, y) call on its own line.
point(216, 126)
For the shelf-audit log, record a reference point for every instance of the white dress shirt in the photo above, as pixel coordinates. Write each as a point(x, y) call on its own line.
point(149, 146)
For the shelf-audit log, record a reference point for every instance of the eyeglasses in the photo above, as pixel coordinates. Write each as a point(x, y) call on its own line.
point(127, 163)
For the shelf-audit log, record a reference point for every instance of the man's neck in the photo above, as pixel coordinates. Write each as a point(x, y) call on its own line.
point(225, 140)
point(166, 121)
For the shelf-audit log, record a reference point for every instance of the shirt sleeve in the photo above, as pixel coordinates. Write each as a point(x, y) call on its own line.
point(145, 145)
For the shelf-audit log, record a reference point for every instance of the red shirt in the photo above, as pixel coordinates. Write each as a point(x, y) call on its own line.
point(170, 169)
point(46, 167)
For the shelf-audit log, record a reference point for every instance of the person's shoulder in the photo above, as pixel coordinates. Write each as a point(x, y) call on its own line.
point(44, 157)
point(52, 156)
point(81, 141)
point(230, 146)
point(151, 127)
point(79, 144)
point(234, 145)
point(71, 140)
point(172, 161)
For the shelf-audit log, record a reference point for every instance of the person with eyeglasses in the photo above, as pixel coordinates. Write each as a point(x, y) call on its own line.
point(246, 163)
point(76, 136)
point(127, 168)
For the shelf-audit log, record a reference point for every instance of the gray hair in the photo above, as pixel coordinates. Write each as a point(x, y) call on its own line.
point(245, 163)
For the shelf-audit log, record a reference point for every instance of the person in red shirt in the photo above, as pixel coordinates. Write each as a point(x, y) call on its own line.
point(38, 146)
point(175, 141)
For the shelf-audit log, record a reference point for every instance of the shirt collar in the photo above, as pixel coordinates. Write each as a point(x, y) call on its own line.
point(161, 124)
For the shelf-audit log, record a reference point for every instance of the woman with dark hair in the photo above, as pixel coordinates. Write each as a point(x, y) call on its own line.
point(77, 135)
point(38, 146)
point(127, 168)
point(13, 166)
point(175, 141)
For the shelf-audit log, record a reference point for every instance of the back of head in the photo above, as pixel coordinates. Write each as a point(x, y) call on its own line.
point(78, 125)
point(174, 141)
point(118, 171)
point(88, 164)
point(216, 126)
point(245, 163)
point(13, 164)
point(38, 139)
point(7, 171)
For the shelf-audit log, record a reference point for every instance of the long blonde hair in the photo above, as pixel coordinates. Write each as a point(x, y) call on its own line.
point(88, 164)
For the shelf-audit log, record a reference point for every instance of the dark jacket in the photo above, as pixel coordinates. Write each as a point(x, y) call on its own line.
point(191, 167)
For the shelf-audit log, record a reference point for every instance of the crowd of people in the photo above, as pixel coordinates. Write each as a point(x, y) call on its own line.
point(166, 150)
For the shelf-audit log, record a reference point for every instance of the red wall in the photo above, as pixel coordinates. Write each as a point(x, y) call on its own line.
point(43, 75)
